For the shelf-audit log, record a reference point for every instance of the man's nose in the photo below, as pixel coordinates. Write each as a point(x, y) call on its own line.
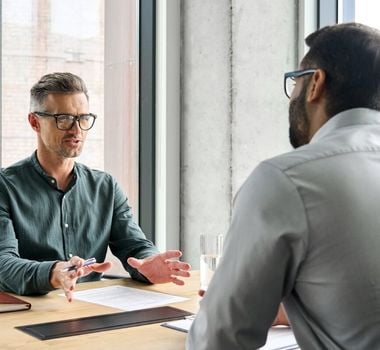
point(75, 129)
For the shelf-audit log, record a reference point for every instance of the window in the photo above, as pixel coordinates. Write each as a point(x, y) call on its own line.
point(366, 12)
point(40, 37)
point(100, 41)
point(361, 11)
point(95, 39)
point(111, 45)
point(319, 13)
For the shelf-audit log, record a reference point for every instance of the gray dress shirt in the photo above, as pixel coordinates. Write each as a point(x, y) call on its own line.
point(306, 232)
point(40, 224)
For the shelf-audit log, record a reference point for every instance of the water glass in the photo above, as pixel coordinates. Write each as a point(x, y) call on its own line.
point(211, 252)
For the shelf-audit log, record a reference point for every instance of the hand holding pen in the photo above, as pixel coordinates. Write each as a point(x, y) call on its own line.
point(87, 262)
point(64, 274)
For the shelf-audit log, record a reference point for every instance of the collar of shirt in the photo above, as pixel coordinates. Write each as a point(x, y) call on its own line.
point(49, 179)
point(355, 116)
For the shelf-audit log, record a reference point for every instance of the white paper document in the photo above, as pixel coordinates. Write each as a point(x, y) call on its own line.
point(126, 298)
point(279, 338)
point(180, 325)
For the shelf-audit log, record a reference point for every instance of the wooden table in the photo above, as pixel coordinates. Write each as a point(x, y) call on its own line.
point(53, 307)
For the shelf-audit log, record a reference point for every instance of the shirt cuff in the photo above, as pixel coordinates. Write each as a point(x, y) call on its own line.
point(43, 279)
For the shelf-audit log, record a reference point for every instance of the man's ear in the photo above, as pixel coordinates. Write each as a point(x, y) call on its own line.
point(317, 85)
point(34, 122)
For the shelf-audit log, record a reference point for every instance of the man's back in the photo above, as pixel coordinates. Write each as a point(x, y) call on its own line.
point(336, 296)
point(305, 231)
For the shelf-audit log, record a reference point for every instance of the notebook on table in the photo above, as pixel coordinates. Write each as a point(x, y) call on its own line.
point(9, 302)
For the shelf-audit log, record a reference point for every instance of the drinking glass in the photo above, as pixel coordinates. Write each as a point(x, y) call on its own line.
point(211, 252)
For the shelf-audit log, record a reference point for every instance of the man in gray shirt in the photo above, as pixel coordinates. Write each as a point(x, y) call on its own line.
point(55, 212)
point(305, 230)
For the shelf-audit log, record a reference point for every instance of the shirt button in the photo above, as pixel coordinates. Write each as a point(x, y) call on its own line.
point(66, 225)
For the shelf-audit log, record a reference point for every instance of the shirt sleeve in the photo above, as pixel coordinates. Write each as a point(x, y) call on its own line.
point(17, 275)
point(127, 238)
point(264, 247)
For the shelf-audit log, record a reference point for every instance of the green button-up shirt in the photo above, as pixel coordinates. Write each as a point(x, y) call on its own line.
point(40, 224)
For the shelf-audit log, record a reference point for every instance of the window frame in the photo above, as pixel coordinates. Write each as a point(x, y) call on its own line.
point(147, 117)
point(327, 12)
point(1, 86)
point(333, 12)
point(315, 14)
point(168, 125)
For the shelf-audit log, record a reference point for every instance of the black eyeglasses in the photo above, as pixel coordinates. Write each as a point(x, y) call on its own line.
point(289, 79)
point(66, 121)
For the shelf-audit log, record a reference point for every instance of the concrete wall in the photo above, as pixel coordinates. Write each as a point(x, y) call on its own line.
point(234, 111)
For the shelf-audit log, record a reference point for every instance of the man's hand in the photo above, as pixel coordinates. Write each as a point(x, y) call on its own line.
point(162, 268)
point(281, 318)
point(59, 278)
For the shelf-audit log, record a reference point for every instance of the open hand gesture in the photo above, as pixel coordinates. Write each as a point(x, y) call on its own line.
point(163, 267)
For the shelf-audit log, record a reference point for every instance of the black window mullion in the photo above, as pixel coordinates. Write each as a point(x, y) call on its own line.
point(147, 91)
point(1, 85)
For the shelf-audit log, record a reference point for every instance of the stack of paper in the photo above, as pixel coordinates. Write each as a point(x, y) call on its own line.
point(279, 338)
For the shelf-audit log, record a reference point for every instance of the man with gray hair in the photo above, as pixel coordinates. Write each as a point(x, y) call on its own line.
point(55, 212)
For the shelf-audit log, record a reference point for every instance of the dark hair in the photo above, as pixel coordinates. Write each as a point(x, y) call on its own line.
point(349, 53)
point(60, 83)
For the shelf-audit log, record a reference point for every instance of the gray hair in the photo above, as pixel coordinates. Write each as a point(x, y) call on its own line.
point(60, 83)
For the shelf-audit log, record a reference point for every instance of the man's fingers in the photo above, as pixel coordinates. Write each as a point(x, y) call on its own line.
point(69, 296)
point(180, 273)
point(179, 265)
point(75, 261)
point(68, 286)
point(170, 254)
point(68, 279)
point(135, 263)
point(96, 267)
point(163, 267)
point(99, 267)
point(178, 281)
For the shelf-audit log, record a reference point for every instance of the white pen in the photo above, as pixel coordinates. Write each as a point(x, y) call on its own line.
point(74, 267)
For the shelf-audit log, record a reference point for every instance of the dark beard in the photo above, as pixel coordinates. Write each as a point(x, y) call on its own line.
point(298, 120)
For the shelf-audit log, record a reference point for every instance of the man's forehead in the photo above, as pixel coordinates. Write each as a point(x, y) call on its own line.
point(75, 100)
point(78, 97)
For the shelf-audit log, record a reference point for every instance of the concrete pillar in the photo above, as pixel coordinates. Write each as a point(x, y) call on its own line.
point(264, 41)
point(206, 120)
point(234, 112)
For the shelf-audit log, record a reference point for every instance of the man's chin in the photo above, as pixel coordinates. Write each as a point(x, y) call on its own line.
point(71, 154)
point(295, 139)
point(75, 155)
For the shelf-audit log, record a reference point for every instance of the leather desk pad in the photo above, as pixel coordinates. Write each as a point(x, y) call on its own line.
point(83, 325)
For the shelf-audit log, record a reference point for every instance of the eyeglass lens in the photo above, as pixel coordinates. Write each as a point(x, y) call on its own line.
point(290, 83)
point(66, 122)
